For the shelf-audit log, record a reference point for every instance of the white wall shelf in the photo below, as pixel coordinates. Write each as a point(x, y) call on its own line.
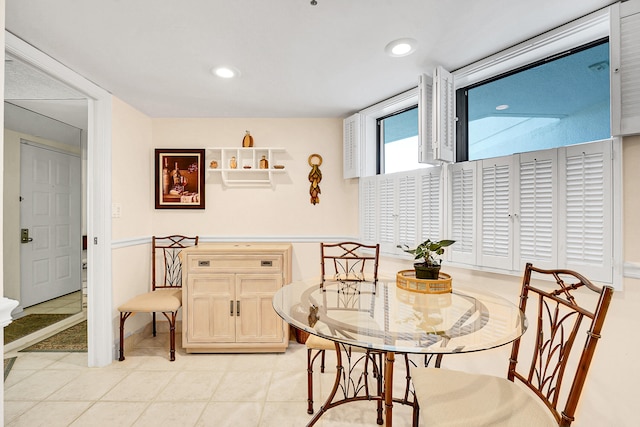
point(247, 171)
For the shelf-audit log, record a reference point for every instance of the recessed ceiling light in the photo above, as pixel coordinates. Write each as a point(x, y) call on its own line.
point(225, 72)
point(401, 47)
point(502, 107)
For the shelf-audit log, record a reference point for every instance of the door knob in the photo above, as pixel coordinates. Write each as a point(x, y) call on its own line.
point(24, 236)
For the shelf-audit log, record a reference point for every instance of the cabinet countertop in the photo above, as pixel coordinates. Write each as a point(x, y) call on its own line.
point(236, 247)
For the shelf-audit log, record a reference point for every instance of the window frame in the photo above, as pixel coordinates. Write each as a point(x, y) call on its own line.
point(462, 99)
point(368, 143)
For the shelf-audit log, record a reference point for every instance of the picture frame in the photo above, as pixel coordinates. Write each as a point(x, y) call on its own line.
point(179, 178)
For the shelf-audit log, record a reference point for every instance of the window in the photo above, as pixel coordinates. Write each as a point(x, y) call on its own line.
point(554, 204)
point(552, 103)
point(398, 142)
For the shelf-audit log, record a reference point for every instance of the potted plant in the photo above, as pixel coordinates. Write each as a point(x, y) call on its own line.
point(429, 251)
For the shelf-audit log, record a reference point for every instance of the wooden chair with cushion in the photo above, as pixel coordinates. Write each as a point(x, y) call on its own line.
point(340, 262)
point(166, 287)
point(560, 346)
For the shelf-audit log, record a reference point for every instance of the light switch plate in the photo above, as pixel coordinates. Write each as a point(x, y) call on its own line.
point(116, 210)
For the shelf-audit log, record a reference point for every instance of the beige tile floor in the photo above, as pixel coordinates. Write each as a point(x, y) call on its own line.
point(67, 304)
point(57, 389)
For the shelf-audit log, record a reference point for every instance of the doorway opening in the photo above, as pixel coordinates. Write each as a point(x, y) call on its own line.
point(97, 169)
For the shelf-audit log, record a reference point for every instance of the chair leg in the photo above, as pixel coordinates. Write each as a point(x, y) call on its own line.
point(416, 414)
point(309, 382)
point(171, 317)
point(123, 317)
point(310, 361)
point(153, 316)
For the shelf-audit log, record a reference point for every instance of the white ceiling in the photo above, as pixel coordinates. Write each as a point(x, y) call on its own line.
point(295, 59)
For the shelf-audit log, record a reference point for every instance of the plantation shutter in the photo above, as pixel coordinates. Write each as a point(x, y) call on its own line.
point(444, 114)
point(537, 213)
point(386, 213)
point(425, 119)
point(462, 223)
point(407, 209)
point(496, 221)
point(625, 113)
point(368, 202)
point(430, 204)
point(586, 233)
point(350, 145)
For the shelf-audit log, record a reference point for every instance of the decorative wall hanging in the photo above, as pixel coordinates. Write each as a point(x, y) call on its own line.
point(315, 176)
point(179, 178)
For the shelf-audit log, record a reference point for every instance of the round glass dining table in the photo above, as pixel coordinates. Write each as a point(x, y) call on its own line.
point(381, 317)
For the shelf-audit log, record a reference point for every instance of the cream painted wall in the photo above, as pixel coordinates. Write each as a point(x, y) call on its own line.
point(131, 188)
point(132, 172)
point(284, 210)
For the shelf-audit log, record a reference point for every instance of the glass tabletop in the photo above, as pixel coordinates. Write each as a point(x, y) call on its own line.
point(385, 317)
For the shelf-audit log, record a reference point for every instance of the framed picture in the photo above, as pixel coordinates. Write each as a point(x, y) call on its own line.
point(179, 178)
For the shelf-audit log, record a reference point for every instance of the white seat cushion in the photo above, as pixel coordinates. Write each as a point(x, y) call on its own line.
point(453, 398)
point(159, 300)
point(317, 343)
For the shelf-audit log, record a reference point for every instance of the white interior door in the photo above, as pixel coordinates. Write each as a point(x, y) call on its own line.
point(50, 183)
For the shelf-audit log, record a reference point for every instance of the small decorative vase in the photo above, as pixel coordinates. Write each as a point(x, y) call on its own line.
point(213, 164)
point(264, 163)
point(233, 163)
point(247, 141)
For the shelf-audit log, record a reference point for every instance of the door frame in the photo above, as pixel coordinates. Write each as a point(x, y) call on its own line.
point(100, 336)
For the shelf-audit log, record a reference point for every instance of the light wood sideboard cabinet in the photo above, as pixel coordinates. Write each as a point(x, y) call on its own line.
point(227, 292)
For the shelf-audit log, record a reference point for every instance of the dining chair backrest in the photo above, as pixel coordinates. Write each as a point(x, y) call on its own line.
point(166, 265)
point(349, 262)
point(560, 321)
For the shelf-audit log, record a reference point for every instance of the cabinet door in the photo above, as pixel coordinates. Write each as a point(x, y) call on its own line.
point(257, 321)
point(211, 308)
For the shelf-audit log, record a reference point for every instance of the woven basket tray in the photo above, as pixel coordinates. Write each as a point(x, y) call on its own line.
point(406, 279)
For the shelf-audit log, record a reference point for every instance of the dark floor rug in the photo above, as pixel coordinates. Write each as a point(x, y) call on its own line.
point(73, 339)
point(29, 324)
point(8, 364)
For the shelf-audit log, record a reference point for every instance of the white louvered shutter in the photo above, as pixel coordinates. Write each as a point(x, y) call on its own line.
point(537, 219)
point(625, 43)
point(425, 119)
point(462, 222)
point(407, 209)
point(496, 216)
point(386, 214)
point(351, 147)
point(444, 114)
point(430, 188)
point(368, 204)
point(585, 211)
